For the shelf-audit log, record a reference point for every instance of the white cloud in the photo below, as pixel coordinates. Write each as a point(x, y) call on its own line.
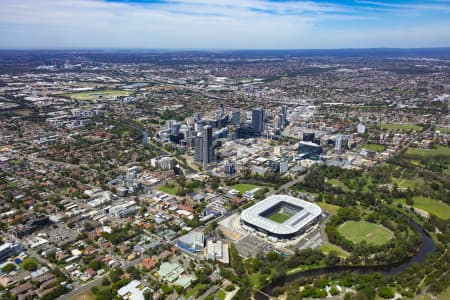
point(182, 24)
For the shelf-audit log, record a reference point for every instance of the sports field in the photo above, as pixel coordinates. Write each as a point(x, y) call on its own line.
point(280, 217)
point(169, 188)
point(401, 127)
point(93, 95)
point(358, 231)
point(244, 187)
point(374, 147)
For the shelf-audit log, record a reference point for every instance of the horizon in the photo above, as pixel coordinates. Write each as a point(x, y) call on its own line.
point(224, 25)
point(221, 49)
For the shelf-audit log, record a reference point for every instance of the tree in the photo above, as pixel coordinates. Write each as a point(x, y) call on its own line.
point(334, 291)
point(385, 292)
point(332, 259)
point(105, 281)
point(8, 268)
point(30, 264)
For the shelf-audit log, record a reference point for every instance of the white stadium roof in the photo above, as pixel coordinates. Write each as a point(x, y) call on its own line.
point(295, 223)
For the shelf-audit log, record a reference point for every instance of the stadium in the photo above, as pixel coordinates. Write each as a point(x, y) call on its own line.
point(281, 216)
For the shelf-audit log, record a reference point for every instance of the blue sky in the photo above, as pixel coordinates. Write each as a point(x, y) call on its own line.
point(224, 24)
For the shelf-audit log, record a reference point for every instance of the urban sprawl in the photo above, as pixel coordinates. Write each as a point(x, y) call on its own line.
point(224, 175)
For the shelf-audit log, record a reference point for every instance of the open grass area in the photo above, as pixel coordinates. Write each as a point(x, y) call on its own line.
point(93, 95)
point(434, 153)
point(280, 217)
point(328, 207)
point(244, 187)
point(445, 295)
point(85, 296)
point(358, 231)
point(169, 188)
point(401, 127)
point(327, 248)
point(374, 147)
point(338, 183)
point(435, 207)
point(302, 268)
point(442, 130)
point(405, 183)
point(255, 280)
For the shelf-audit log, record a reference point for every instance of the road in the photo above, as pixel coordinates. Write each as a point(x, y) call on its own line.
point(286, 186)
point(86, 287)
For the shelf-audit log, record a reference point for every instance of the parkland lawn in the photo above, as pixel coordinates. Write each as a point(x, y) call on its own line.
point(327, 248)
point(244, 187)
point(401, 127)
point(169, 188)
point(338, 183)
point(358, 231)
point(328, 207)
point(435, 207)
point(374, 147)
point(434, 153)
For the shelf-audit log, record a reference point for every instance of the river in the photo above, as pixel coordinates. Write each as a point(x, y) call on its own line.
point(427, 246)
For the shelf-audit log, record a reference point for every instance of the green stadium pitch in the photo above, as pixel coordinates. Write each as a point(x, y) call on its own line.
point(280, 217)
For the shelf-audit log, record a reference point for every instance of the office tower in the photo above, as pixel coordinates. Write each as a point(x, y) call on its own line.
point(284, 112)
point(198, 145)
point(229, 167)
point(258, 120)
point(339, 140)
point(197, 117)
point(236, 117)
point(280, 121)
point(308, 136)
point(208, 151)
point(169, 124)
point(175, 128)
point(204, 151)
point(361, 129)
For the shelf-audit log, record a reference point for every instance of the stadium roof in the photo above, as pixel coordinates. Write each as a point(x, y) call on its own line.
point(309, 211)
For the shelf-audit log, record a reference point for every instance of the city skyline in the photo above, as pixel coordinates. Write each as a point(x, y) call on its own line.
point(201, 24)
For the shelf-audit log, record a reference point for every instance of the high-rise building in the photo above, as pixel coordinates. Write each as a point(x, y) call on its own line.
point(338, 145)
point(198, 145)
point(208, 151)
point(222, 109)
point(197, 117)
point(284, 112)
point(229, 167)
point(258, 119)
point(204, 151)
point(361, 129)
point(280, 121)
point(235, 117)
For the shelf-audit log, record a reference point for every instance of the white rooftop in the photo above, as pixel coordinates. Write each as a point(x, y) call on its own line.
point(308, 213)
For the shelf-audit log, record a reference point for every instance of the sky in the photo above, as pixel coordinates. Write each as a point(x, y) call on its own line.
point(223, 24)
